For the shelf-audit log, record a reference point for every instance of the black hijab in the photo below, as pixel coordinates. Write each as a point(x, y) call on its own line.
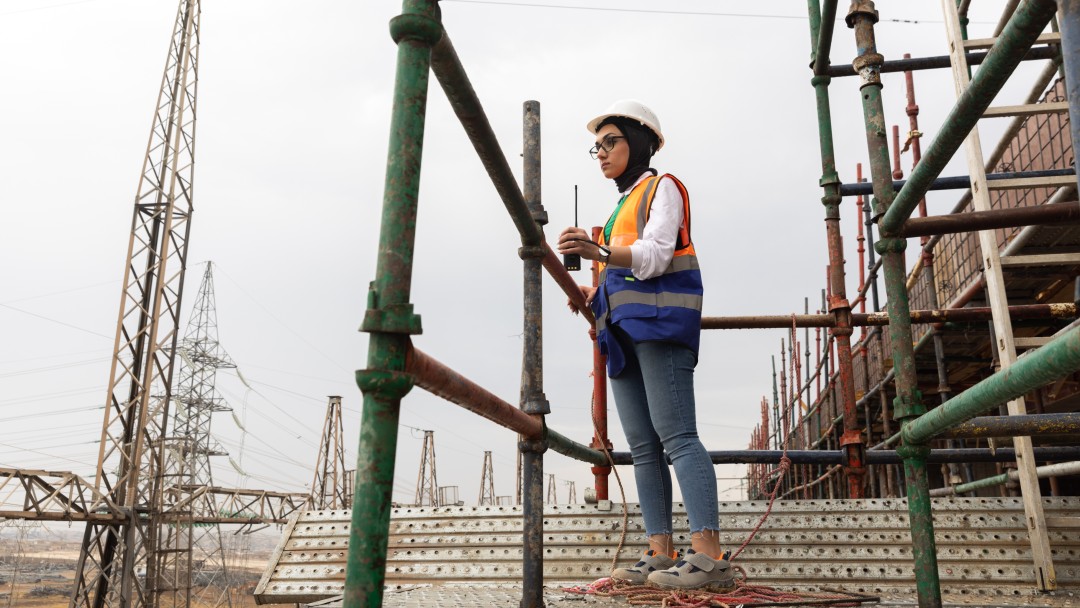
point(643, 144)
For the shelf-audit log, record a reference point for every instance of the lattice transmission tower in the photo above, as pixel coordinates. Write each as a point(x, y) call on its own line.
point(571, 493)
point(487, 482)
point(552, 499)
point(190, 559)
point(331, 488)
point(427, 487)
point(130, 457)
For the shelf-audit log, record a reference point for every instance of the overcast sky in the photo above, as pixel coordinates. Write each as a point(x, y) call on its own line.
point(294, 106)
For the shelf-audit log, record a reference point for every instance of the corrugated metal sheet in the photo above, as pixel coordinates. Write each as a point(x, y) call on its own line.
point(857, 546)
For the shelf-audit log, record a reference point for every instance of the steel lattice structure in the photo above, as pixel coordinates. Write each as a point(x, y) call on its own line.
point(427, 485)
point(180, 576)
point(487, 482)
point(136, 413)
point(330, 488)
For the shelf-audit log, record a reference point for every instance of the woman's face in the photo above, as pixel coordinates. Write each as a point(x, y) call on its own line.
point(613, 163)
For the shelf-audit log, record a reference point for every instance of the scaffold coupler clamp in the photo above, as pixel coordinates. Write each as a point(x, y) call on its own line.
point(861, 7)
point(908, 405)
point(390, 319)
point(537, 404)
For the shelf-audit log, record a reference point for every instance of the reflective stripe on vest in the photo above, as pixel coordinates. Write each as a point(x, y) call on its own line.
point(666, 307)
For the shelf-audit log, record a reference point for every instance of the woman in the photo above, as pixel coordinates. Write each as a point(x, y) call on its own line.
point(648, 321)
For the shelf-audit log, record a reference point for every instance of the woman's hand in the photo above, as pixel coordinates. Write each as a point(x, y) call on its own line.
point(587, 292)
point(576, 240)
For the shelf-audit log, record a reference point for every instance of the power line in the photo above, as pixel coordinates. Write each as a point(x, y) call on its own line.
point(53, 413)
point(282, 323)
point(48, 368)
point(78, 462)
point(65, 324)
point(67, 393)
point(42, 8)
point(277, 422)
point(59, 293)
point(684, 13)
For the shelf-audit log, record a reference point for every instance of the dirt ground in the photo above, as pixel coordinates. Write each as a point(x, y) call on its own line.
point(46, 579)
point(55, 593)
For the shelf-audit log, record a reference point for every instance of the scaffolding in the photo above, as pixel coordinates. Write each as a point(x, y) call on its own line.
point(829, 435)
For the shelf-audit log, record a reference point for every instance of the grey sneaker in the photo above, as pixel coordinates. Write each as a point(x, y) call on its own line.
point(696, 571)
point(651, 561)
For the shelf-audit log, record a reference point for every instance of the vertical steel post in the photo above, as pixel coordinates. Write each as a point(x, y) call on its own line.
point(389, 318)
point(1069, 22)
point(838, 305)
point(599, 398)
point(533, 401)
point(908, 403)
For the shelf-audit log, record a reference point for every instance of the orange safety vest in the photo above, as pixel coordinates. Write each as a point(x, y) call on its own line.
point(664, 308)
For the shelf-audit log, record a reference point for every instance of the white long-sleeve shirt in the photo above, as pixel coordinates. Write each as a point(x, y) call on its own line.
point(651, 254)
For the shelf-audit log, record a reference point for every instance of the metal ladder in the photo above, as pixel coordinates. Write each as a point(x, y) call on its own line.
point(993, 264)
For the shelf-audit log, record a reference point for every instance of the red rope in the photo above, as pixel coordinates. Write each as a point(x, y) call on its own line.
point(742, 594)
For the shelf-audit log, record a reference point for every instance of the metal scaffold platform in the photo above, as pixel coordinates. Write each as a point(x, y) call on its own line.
point(855, 546)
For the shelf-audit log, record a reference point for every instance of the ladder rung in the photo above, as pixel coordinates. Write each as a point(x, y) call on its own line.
point(1053, 181)
point(985, 43)
point(1029, 109)
point(1045, 259)
point(1032, 342)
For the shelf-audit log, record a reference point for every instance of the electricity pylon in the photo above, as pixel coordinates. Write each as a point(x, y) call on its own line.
point(571, 493)
point(330, 488)
point(427, 488)
point(487, 482)
point(130, 457)
point(180, 576)
point(552, 499)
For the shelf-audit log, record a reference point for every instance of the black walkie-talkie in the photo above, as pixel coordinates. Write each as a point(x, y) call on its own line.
point(572, 261)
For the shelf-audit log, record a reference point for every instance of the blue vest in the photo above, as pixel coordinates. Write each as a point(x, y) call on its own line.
point(664, 308)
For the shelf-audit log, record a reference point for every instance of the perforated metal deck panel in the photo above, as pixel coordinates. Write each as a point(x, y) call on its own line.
point(855, 545)
point(444, 596)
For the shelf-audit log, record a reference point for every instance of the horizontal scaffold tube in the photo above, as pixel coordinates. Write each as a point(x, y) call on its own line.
point(1060, 469)
point(566, 282)
point(1015, 41)
point(946, 315)
point(831, 457)
point(1015, 217)
point(438, 379)
point(957, 182)
point(455, 83)
point(1057, 359)
point(940, 61)
point(1040, 425)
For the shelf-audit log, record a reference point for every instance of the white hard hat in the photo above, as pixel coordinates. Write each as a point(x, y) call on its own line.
point(634, 110)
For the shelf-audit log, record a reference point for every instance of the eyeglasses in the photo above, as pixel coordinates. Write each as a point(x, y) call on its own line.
point(608, 144)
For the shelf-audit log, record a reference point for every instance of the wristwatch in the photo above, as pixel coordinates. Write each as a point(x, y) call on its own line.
point(605, 253)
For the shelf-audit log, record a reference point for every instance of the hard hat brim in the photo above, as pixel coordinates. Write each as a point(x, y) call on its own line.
point(594, 124)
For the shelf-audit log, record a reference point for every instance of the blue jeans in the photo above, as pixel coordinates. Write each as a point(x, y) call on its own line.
point(655, 398)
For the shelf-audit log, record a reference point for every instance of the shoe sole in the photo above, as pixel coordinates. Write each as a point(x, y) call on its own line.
point(714, 587)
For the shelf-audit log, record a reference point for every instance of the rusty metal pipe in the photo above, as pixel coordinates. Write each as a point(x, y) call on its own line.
point(600, 440)
point(937, 62)
point(566, 282)
point(438, 379)
point(1057, 213)
point(954, 182)
point(1017, 426)
point(880, 319)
